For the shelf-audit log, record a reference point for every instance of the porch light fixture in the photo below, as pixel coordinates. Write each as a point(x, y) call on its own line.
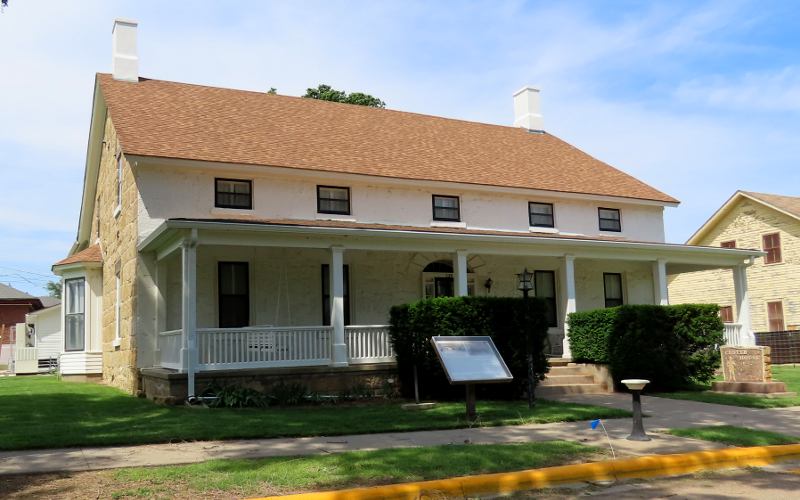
point(488, 285)
point(525, 281)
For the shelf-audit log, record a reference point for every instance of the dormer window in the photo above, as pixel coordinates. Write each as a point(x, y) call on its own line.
point(446, 208)
point(333, 200)
point(233, 193)
point(540, 214)
point(609, 219)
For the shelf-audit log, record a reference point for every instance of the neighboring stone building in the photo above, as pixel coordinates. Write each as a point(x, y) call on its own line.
point(759, 221)
point(238, 234)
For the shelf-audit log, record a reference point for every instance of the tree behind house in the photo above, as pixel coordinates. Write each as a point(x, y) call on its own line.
point(326, 93)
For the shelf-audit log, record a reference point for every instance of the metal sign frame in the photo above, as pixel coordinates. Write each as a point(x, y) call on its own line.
point(435, 342)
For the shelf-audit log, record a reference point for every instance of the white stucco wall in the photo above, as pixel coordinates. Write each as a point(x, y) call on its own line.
point(286, 288)
point(170, 192)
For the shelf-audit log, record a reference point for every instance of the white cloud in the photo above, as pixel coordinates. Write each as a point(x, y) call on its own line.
point(754, 91)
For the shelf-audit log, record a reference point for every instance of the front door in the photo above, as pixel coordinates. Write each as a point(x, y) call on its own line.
point(443, 287)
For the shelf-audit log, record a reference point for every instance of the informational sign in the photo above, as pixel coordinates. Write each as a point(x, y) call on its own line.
point(471, 360)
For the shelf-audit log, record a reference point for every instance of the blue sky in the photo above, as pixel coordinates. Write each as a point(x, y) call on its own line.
point(696, 98)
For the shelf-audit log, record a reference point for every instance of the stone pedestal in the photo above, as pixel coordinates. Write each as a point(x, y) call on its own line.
point(747, 370)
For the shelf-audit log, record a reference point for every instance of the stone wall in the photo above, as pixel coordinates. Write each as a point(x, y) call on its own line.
point(116, 229)
point(746, 223)
point(168, 387)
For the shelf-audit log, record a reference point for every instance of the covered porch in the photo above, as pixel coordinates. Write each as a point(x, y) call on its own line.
point(239, 295)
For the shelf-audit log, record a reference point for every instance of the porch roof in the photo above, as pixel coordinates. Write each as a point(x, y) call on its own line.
point(477, 240)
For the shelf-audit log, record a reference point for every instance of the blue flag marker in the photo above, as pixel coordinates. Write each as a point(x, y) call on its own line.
point(594, 423)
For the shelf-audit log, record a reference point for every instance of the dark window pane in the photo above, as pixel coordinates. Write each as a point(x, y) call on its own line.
point(545, 284)
point(446, 208)
point(612, 284)
point(74, 334)
point(609, 219)
point(234, 294)
point(333, 200)
point(541, 214)
point(231, 193)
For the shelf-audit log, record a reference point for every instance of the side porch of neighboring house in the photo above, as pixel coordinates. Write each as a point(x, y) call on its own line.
point(239, 300)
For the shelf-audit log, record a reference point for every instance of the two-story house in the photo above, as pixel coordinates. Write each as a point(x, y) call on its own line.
point(227, 231)
point(752, 220)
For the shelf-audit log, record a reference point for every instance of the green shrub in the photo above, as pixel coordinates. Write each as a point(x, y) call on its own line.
point(290, 394)
point(672, 346)
point(231, 396)
point(504, 319)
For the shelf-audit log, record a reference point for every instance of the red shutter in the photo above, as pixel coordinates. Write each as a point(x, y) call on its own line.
point(771, 243)
point(775, 316)
point(726, 314)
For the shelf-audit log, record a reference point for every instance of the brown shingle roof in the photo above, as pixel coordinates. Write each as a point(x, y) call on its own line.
point(177, 120)
point(789, 204)
point(89, 254)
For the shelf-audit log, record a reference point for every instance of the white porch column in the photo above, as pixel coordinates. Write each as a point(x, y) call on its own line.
point(189, 308)
point(570, 305)
point(460, 271)
point(660, 288)
point(161, 307)
point(743, 304)
point(339, 347)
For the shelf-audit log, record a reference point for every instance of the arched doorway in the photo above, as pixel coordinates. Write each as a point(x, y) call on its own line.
point(437, 280)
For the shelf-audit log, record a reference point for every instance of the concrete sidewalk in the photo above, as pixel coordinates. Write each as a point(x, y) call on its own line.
point(664, 413)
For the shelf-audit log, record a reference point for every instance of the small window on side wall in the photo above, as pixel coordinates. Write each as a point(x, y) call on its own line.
point(771, 243)
point(728, 244)
point(612, 286)
point(540, 214)
point(333, 200)
point(233, 193)
point(446, 208)
point(775, 316)
point(726, 314)
point(609, 219)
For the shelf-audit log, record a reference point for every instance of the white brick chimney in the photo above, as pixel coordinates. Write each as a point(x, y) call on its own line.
point(125, 60)
point(527, 113)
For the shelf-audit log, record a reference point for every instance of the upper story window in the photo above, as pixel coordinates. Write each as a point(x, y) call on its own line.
point(540, 214)
point(612, 286)
point(728, 244)
point(771, 243)
point(446, 208)
point(333, 200)
point(233, 193)
point(609, 219)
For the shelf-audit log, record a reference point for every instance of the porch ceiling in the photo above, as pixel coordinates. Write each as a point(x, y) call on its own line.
point(362, 236)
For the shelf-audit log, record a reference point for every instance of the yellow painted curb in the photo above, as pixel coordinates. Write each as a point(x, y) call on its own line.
point(509, 482)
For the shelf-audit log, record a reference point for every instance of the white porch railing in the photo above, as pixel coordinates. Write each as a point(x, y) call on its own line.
point(263, 347)
point(733, 334)
point(368, 344)
point(169, 347)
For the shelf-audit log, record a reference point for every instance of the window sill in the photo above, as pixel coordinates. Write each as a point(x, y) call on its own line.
point(232, 211)
point(116, 343)
point(442, 223)
point(336, 217)
point(549, 230)
point(117, 211)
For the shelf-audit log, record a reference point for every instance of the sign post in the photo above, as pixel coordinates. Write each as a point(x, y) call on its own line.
point(470, 361)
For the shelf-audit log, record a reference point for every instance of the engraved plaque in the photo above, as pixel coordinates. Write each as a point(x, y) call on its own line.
point(746, 364)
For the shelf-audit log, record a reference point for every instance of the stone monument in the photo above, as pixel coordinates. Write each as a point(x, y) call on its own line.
point(747, 370)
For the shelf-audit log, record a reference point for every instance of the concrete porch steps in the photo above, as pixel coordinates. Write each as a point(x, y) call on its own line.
point(568, 378)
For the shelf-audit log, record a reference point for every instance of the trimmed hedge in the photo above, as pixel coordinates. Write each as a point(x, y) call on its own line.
point(672, 346)
point(502, 318)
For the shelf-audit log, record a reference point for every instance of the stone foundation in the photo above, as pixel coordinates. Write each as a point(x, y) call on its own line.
point(167, 386)
point(754, 388)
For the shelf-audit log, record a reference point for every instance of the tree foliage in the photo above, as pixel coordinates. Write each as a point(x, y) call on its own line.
point(53, 289)
point(326, 93)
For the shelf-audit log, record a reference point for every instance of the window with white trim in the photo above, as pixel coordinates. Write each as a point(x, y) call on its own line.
point(120, 173)
point(446, 208)
point(609, 219)
point(117, 300)
point(74, 312)
point(540, 214)
point(612, 289)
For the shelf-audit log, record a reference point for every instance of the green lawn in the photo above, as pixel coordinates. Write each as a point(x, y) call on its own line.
point(735, 436)
point(43, 412)
point(790, 374)
point(276, 475)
